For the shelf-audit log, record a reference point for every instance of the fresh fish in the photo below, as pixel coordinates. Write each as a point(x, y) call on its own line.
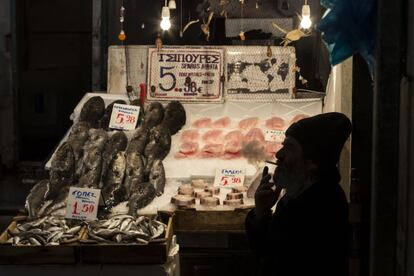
point(154, 114)
point(36, 198)
point(157, 177)
point(158, 147)
point(138, 141)
point(57, 203)
point(104, 121)
point(97, 139)
point(141, 195)
point(92, 111)
point(114, 191)
point(117, 142)
point(174, 117)
point(134, 171)
point(62, 171)
point(77, 139)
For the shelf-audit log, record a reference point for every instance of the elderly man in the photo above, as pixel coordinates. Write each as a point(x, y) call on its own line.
point(309, 232)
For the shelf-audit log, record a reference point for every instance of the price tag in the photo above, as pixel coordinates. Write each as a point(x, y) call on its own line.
point(82, 203)
point(274, 135)
point(229, 177)
point(124, 117)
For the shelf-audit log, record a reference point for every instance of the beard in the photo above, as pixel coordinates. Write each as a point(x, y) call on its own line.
point(290, 179)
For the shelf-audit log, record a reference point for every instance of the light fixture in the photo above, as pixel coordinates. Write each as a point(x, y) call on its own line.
point(172, 5)
point(165, 18)
point(305, 22)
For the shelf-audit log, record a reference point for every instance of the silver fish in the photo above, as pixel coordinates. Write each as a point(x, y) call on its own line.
point(157, 176)
point(92, 111)
point(117, 142)
point(141, 195)
point(154, 114)
point(113, 190)
point(35, 199)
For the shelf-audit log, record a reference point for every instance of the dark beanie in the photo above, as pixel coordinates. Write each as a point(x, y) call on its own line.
point(322, 137)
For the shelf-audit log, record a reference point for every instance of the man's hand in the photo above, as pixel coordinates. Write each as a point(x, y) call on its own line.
point(265, 197)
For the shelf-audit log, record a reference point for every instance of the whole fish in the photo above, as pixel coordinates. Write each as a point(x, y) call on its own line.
point(97, 139)
point(36, 198)
point(157, 177)
point(141, 195)
point(116, 143)
point(92, 111)
point(113, 191)
point(138, 141)
point(104, 121)
point(62, 170)
point(77, 139)
point(158, 147)
point(154, 114)
point(174, 116)
point(57, 203)
point(134, 171)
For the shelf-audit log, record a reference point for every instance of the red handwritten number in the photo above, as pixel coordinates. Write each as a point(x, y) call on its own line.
point(224, 180)
point(130, 119)
point(236, 180)
point(75, 206)
point(119, 118)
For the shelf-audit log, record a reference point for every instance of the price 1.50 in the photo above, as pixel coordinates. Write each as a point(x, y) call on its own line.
point(84, 208)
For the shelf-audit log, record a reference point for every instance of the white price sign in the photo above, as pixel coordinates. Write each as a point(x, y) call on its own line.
point(229, 177)
point(185, 74)
point(274, 135)
point(124, 117)
point(82, 203)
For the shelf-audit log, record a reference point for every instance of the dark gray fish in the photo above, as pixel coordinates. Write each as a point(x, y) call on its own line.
point(92, 111)
point(174, 116)
point(138, 141)
point(36, 198)
point(154, 114)
point(91, 168)
point(158, 147)
point(134, 172)
point(116, 143)
point(57, 203)
point(114, 191)
point(104, 121)
point(97, 139)
point(141, 196)
point(77, 139)
point(157, 176)
point(62, 170)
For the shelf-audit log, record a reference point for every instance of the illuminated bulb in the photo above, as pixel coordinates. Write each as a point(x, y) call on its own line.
point(122, 35)
point(306, 22)
point(165, 18)
point(172, 5)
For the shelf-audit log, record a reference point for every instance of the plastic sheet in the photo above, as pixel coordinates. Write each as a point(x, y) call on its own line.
point(349, 27)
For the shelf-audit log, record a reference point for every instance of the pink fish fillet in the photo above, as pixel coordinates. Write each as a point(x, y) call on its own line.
point(190, 135)
point(202, 123)
point(235, 135)
point(221, 123)
point(275, 123)
point(255, 134)
point(212, 151)
point(248, 123)
point(187, 150)
point(298, 118)
point(232, 149)
point(213, 136)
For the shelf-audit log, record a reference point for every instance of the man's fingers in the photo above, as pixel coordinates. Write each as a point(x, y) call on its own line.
point(265, 179)
point(265, 171)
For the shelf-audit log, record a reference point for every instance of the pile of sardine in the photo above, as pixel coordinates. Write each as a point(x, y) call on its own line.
point(44, 231)
point(126, 229)
point(95, 158)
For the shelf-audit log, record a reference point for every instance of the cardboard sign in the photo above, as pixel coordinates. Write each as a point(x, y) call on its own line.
point(274, 135)
point(229, 177)
point(124, 117)
point(185, 74)
point(82, 203)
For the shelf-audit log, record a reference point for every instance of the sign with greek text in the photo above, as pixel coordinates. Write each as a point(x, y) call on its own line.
point(274, 135)
point(185, 74)
point(82, 203)
point(124, 117)
point(229, 177)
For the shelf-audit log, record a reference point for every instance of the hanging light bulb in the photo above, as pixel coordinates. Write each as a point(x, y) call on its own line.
point(165, 18)
point(306, 22)
point(172, 5)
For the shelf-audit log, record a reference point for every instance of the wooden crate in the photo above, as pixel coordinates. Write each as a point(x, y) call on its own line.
point(32, 254)
point(190, 220)
point(156, 252)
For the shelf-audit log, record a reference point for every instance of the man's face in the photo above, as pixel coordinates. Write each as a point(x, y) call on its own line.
point(290, 170)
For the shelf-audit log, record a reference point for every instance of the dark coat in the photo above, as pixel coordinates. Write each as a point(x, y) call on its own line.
point(308, 235)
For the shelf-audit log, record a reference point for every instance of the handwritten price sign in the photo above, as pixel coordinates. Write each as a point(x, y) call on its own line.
point(229, 177)
point(275, 135)
point(124, 117)
point(82, 203)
